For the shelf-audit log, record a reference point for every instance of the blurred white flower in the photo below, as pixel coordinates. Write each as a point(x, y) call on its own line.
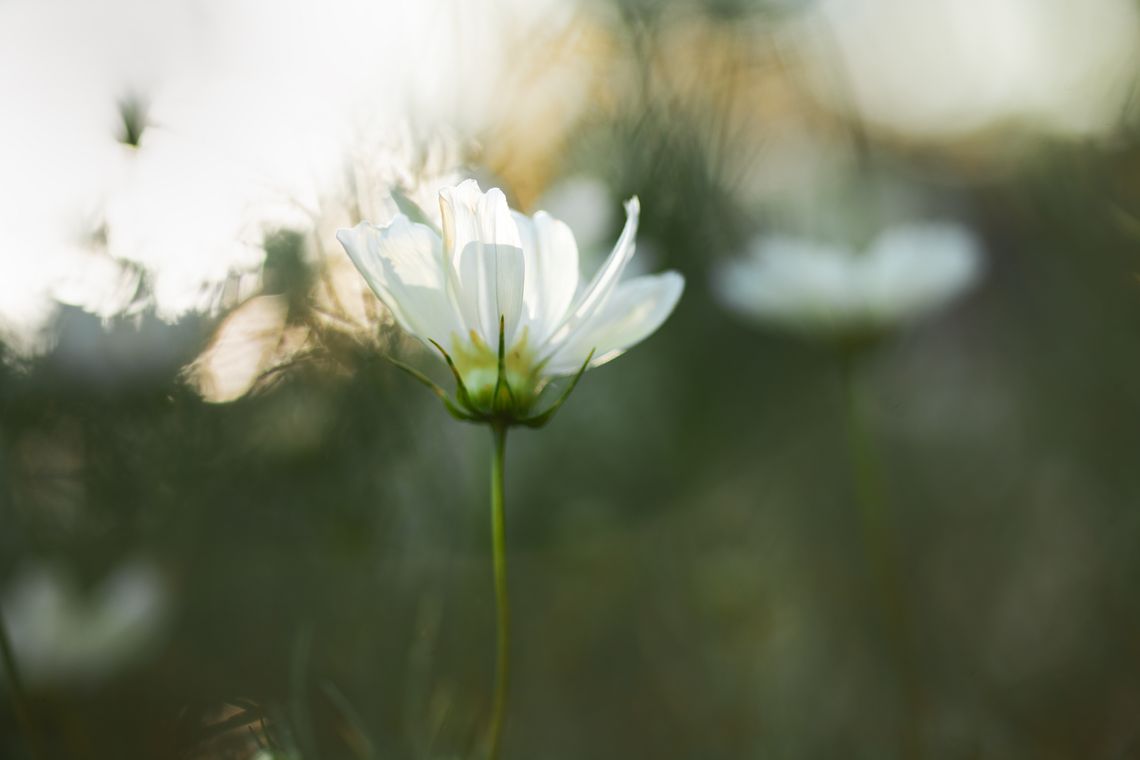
point(907, 272)
point(60, 634)
point(496, 270)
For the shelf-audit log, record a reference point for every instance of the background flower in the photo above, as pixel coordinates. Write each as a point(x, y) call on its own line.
point(61, 633)
point(905, 273)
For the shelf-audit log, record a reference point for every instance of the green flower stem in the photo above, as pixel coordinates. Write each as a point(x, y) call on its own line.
point(16, 687)
point(502, 597)
point(881, 547)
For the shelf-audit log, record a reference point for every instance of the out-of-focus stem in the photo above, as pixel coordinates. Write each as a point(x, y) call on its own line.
point(880, 543)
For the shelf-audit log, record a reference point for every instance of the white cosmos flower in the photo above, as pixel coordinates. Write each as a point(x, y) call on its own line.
point(496, 269)
point(906, 272)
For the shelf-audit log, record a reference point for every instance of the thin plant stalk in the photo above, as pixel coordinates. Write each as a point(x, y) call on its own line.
point(881, 548)
point(16, 687)
point(502, 596)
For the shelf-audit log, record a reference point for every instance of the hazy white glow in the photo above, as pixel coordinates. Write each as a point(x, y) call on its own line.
point(945, 67)
point(256, 111)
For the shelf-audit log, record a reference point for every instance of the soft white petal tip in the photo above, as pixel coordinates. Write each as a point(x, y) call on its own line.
point(399, 221)
point(346, 235)
point(676, 279)
point(465, 189)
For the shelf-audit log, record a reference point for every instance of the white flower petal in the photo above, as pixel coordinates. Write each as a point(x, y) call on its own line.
point(482, 241)
point(491, 281)
point(403, 264)
point(550, 254)
point(595, 295)
point(632, 313)
point(459, 209)
point(501, 238)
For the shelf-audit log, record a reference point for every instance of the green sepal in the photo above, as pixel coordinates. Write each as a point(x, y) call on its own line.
point(461, 395)
point(544, 417)
point(451, 406)
point(420, 376)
